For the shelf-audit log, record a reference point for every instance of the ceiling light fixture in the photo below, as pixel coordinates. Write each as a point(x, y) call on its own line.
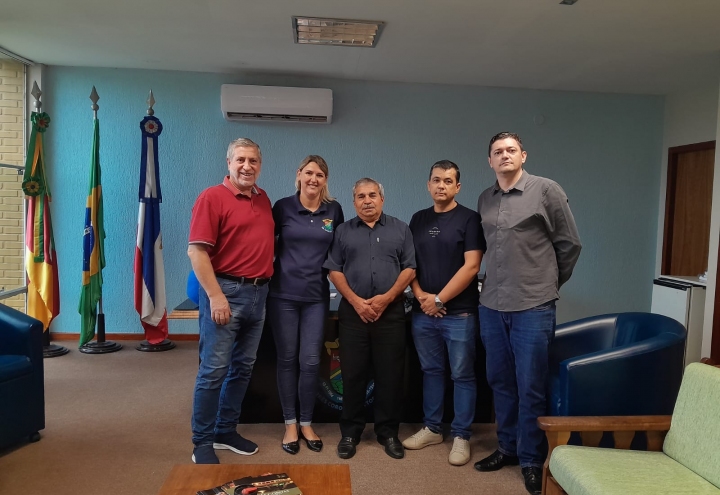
point(568, 2)
point(340, 32)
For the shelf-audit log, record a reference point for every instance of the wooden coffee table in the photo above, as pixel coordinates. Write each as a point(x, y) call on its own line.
point(312, 479)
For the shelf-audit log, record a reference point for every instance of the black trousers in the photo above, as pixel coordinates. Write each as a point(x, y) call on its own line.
point(372, 350)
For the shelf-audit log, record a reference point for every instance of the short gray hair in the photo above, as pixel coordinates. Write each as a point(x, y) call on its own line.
point(368, 180)
point(242, 143)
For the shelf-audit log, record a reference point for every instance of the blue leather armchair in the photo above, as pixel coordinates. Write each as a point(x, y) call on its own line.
point(616, 365)
point(22, 389)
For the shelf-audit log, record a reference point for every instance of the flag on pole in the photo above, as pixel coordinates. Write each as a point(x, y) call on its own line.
point(93, 246)
point(43, 301)
point(149, 270)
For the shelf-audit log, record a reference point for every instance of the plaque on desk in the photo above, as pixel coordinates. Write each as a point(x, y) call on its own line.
point(271, 484)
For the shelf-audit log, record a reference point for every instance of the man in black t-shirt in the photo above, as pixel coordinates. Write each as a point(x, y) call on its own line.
point(449, 244)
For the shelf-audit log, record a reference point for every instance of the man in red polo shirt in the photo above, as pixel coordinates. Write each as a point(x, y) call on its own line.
point(232, 236)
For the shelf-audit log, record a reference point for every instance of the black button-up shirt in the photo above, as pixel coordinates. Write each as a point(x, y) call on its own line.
point(371, 258)
point(532, 243)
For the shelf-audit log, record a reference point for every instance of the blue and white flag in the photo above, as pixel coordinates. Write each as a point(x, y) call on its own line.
point(149, 270)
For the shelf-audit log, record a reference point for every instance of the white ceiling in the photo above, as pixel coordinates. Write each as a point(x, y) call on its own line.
point(628, 46)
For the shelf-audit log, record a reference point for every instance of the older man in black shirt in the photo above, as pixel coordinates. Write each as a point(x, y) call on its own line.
point(371, 262)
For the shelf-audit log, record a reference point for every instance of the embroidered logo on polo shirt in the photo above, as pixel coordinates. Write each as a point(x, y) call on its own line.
point(327, 224)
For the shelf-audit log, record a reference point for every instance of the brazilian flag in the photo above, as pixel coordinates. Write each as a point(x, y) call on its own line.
point(93, 246)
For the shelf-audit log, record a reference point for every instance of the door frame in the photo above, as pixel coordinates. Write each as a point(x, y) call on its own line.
point(672, 171)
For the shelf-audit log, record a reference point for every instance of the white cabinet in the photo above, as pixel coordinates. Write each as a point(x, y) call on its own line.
point(683, 299)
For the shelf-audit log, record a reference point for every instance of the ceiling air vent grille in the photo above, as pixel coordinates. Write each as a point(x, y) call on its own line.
point(339, 32)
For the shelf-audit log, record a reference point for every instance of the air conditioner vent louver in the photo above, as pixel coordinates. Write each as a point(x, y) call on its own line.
point(276, 104)
point(278, 118)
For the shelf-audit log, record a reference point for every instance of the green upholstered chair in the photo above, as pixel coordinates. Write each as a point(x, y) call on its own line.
point(683, 449)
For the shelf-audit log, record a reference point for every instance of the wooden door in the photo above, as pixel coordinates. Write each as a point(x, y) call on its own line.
point(687, 209)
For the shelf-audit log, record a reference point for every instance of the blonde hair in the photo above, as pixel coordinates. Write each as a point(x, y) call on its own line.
point(325, 193)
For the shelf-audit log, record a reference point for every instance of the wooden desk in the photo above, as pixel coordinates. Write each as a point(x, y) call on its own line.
point(312, 479)
point(262, 404)
point(188, 310)
point(184, 314)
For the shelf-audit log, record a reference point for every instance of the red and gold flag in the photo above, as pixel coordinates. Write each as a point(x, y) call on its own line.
point(40, 258)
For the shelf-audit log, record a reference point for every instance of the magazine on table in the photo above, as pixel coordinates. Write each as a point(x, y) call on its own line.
point(270, 483)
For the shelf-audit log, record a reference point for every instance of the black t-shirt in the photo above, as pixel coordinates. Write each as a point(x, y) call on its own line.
point(441, 240)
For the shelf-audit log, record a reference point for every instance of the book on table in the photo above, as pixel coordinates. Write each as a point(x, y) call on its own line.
point(269, 483)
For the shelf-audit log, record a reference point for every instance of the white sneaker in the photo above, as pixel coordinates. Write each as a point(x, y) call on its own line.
point(460, 453)
point(422, 439)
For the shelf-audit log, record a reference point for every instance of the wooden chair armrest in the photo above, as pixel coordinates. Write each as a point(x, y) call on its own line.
point(709, 362)
point(604, 423)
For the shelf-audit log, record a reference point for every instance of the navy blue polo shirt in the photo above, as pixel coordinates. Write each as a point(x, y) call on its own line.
point(441, 241)
point(372, 258)
point(303, 240)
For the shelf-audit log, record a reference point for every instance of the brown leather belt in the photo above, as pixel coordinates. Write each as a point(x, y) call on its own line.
point(243, 280)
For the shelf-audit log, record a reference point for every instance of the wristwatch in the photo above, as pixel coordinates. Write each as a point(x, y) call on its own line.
point(438, 303)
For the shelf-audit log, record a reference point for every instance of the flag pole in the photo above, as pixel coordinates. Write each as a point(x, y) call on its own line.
point(100, 346)
point(161, 326)
point(49, 350)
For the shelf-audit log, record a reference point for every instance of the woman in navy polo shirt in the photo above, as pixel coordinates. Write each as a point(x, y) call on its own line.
point(299, 295)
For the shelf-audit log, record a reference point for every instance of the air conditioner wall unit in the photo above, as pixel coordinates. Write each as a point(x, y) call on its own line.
point(276, 103)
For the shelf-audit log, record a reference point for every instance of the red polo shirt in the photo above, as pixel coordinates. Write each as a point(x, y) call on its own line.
point(238, 230)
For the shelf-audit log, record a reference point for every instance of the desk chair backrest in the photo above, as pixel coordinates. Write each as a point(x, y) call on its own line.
point(193, 286)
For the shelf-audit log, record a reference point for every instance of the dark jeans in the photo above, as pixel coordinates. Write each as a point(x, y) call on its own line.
point(516, 343)
point(227, 357)
point(298, 328)
point(372, 350)
point(435, 338)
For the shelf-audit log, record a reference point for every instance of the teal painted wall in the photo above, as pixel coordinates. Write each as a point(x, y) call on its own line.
point(604, 149)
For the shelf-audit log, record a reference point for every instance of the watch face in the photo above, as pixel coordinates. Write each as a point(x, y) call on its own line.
point(438, 303)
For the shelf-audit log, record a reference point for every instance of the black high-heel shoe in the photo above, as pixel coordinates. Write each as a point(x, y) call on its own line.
point(314, 445)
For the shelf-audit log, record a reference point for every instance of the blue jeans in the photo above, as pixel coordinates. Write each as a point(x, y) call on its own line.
point(432, 336)
point(516, 343)
point(298, 328)
point(227, 356)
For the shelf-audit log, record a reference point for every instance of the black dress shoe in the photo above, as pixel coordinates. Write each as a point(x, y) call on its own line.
point(495, 461)
point(314, 445)
point(393, 447)
point(346, 447)
point(291, 447)
point(533, 479)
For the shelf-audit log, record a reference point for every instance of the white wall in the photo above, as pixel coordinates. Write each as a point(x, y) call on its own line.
point(693, 116)
point(690, 117)
point(712, 258)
